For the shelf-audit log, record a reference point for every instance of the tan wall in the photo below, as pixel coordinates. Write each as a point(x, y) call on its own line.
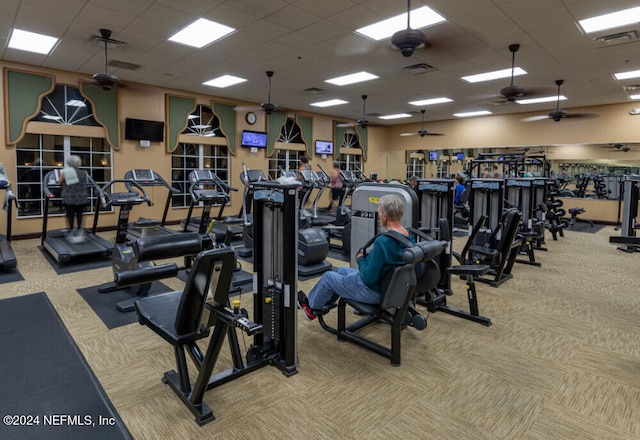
point(386, 149)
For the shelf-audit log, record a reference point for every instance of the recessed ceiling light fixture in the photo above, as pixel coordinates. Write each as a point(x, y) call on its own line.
point(224, 81)
point(431, 101)
point(31, 42)
point(329, 103)
point(611, 20)
point(627, 75)
point(352, 78)
point(542, 99)
point(396, 116)
point(472, 114)
point(497, 74)
point(201, 32)
point(420, 18)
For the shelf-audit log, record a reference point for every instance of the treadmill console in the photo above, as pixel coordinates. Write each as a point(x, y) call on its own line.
point(201, 175)
point(143, 175)
point(53, 178)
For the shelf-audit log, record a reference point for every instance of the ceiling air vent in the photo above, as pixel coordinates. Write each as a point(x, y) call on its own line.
point(419, 69)
point(314, 91)
point(616, 39)
point(124, 65)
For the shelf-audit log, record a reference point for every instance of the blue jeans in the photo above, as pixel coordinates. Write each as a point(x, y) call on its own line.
point(344, 282)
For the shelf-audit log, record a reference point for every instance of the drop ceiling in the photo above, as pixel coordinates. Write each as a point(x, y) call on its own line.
point(306, 42)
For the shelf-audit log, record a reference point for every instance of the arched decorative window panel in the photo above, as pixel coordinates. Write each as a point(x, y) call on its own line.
point(347, 138)
point(306, 130)
point(363, 135)
point(178, 109)
point(105, 110)
point(274, 124)
point(203, 127)
point(227, 118)
point(290, 137)
point(23, 93)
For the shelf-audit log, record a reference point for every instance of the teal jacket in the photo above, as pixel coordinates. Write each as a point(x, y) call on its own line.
point(385, 254)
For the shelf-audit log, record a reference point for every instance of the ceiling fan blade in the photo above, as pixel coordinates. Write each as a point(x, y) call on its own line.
point(409, 134)
point(582, 115)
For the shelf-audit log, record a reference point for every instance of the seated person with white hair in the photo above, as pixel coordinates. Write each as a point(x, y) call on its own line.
point(362, 285)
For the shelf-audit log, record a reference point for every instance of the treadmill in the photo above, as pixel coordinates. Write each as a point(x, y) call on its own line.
point(145, 227)
point(55, 241)
point(8, 260)
point(208, 189)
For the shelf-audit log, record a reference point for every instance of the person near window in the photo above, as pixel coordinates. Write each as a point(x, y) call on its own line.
point(362, 284)
point(496, 172)
point(74, 196)
point(337, 182)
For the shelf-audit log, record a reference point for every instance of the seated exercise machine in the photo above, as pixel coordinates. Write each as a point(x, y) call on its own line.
point(628, 240)
point(177, 316)
point(520, 196)
point(55, 241)
point(148, 227)
point(434, 280)
point(398, 288)
point(499, 249)
point(8, 260)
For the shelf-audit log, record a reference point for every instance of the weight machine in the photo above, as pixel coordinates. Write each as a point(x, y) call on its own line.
point(628, 240)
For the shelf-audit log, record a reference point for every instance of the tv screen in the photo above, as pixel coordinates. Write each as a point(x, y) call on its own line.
point(324, 147)
point(256, 139)
point(142, 130)
point(460, 156)
point(433, 155)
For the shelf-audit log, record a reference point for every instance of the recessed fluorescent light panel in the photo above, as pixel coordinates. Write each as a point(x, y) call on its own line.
point(472, 114)
point(612, 20)
point(627, 75)
point(396, 116)
point(539, 100)
point(634, 96)
point(352, 78)
point(420, 18)
point(431, 101)
point(329, 103)
point(224, 81)
point(498, 74)
point(200, 33)
point(31, 42)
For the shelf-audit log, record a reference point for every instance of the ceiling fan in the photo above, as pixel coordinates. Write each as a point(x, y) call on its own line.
point(619, 148)
point(422, 132)
point(408, 40)
point(559, 114)
point(106, 80)
point(511, 92)
point(361, 122)
point(268, 107)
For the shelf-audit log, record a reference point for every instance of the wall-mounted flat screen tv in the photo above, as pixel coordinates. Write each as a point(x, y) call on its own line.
point(433, 155)
point(460, 156)
point(255, 139)
point(324, 147)
point(143, 130)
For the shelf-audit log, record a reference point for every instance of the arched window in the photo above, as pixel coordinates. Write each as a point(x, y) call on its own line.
point(40, 151)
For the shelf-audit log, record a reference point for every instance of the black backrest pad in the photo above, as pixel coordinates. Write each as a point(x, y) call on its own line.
point(167, 246)
point(218, 261)
point(396, 285)
point(510, 229)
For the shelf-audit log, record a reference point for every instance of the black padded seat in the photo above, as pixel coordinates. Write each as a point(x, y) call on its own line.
point(177, 317)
